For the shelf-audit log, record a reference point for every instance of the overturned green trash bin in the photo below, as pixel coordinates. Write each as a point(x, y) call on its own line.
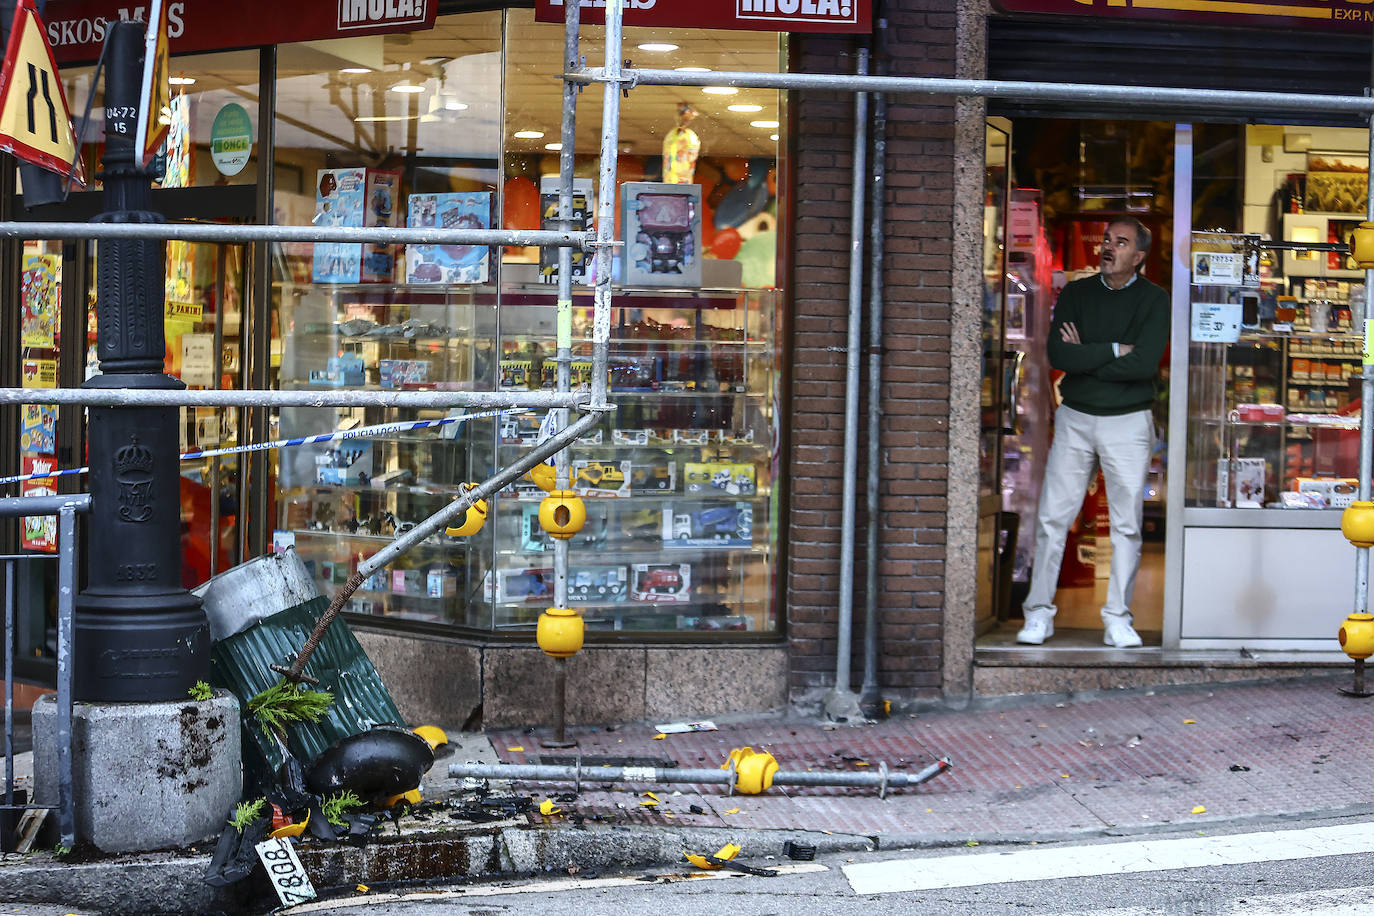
point(261, 613)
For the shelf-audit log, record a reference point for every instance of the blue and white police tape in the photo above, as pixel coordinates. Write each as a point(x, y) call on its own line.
point(380, 429)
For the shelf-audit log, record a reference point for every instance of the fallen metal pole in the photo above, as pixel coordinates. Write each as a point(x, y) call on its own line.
point(1250, 102)
point(878, 777)
point(150, 397)
point(236, 233)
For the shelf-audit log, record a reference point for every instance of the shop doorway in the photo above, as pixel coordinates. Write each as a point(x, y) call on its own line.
point(1052, 187)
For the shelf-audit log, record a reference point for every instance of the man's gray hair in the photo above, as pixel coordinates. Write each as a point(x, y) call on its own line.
point(1143, 238)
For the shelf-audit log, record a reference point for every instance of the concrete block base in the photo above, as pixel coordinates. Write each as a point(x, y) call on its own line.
point(146, 775)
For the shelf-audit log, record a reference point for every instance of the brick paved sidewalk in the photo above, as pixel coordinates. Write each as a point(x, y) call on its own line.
point(1046, 768)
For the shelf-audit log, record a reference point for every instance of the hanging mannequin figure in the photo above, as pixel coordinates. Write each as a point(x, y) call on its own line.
point(680, 148)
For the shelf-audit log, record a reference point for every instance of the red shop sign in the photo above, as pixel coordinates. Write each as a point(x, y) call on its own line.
point(752, 15)
point(76, 28)
point(1355, 15)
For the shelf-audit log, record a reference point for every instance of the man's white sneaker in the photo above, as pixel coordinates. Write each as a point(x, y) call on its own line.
point(1039, 627)
point(1121, 635)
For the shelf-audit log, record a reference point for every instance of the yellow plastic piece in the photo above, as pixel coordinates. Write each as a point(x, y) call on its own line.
point(562, 514)
point(728, 851)
point(543, 476)
point(753, 770)
point(410, 798)
point(560, 632)
point(548, 808)
point(1362, 245)
point(1357, 523)
point(1357, 635)
point(434, 735)
point(295, 829)
point(472, 522)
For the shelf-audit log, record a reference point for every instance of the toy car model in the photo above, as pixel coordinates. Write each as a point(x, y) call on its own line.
point(601, 475)
point(716, 523)
point(651, 477)
point(661, 578)
point(604, 584)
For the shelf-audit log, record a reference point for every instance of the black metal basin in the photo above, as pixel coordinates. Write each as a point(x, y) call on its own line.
point(383, 761)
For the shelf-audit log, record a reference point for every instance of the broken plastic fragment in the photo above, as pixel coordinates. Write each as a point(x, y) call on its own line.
point(733, 811)
point(651, 795)
point(1200, 809)
point(660, 736)
point(547, 807)
point(1190, 721)
point(517, 749)
point(679, 728)
point(363, 888)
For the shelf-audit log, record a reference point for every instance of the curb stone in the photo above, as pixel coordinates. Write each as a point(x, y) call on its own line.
point(171, 883)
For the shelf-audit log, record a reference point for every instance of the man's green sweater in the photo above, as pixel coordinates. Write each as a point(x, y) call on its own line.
point(1097, 381)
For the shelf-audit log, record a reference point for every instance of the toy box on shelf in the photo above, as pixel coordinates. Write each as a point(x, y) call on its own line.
point(548, 219)
point(601, 478)
point(596, 584)
point(707, 525)
point(719, 478)
point(662, 224)
point(355, 198)
point(661, 583)
point(448, 263)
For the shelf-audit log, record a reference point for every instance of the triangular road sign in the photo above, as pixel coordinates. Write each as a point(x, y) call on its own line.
point(155, 105)
point(35, 122)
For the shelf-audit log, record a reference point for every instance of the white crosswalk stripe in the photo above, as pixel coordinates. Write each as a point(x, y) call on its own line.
point(1047, 864)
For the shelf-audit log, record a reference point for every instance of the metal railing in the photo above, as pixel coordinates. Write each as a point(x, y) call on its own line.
point(65, 508)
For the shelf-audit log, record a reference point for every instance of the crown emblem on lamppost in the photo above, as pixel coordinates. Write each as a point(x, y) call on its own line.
point(134, 459)
point(133, 464)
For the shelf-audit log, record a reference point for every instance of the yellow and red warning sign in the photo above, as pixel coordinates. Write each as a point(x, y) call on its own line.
point(35, 122)
point(155, 105)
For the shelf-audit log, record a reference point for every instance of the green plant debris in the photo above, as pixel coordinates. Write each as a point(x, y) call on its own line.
point(283, 705)
point(247, 812)
point(200, 691)
point(335, 807)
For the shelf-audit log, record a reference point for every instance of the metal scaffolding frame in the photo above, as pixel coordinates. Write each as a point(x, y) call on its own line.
point(616, 79)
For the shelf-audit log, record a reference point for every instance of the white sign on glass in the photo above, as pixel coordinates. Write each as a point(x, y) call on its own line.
point(1216, 322)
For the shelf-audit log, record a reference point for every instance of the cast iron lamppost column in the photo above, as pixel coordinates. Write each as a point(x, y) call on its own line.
point(140, 636)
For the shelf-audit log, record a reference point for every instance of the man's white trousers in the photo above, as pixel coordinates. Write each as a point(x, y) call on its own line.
point(1121, 446)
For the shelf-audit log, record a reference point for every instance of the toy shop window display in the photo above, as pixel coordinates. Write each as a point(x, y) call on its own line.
point(678, 483)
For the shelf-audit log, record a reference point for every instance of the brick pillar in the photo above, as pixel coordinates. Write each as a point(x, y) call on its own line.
point(919, 275)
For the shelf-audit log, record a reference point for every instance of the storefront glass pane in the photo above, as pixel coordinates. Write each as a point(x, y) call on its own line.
point(1276, 343)
point(679, 481)
point(366, 130)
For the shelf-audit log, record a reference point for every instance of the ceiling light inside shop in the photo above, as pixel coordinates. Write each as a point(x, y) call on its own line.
point(355, 70)
point(181, 80)
point(773, 137)
point(455, 105)
point(767, 125)
point(408, 88)
point(658, 46)
point(553, 147)
point(529, 134)
point(746, 109)
point(719, 90)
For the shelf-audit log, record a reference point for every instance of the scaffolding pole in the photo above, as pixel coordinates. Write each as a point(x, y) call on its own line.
point(240, 234)
point(1253, 103)
point(572, 58)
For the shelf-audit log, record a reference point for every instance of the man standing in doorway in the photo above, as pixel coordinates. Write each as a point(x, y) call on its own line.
point(1108, 335)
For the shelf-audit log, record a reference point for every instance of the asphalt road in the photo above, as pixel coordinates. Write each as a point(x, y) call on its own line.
point(1319, 885)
